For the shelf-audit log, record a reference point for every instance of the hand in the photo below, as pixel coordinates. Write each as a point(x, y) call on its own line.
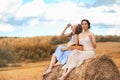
point(90, 36)
point(63, 49)
point(68, 25)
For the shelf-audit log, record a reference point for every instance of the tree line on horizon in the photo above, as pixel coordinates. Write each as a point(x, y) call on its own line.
point(15, 50)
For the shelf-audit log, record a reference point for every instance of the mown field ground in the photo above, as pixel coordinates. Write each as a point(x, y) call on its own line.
point(33, 71)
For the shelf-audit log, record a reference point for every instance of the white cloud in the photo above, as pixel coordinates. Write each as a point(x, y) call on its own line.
point(58, 13)
point(6, 27)
point(67, 11)
point(0, 16)
point(63, 11)
point(70, 11)
point(8, 7)
point(107, 18)
point(32, 9)
point(44, 28)
point(118, 1)
point(33, 23)
point(3, 5)
point(114, 31)
point(13, 5)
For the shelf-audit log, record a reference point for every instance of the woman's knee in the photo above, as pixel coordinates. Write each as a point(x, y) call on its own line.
point(53, 55)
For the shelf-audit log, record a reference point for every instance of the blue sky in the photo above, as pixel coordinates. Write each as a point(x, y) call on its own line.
point(28, 18)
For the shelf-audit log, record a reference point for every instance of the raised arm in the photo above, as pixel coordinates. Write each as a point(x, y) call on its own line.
point(63, 32)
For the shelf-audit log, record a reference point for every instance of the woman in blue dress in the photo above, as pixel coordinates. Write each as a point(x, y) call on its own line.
point(61, 53)
point(76, 57)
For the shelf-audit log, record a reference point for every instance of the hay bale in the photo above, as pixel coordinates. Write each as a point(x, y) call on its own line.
point(97, 68)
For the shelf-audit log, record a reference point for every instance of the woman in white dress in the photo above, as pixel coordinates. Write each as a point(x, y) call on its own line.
point(76, 57)
point(61, 53)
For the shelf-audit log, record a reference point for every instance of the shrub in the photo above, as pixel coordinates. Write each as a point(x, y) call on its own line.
point(3, 63)
point(59, 40)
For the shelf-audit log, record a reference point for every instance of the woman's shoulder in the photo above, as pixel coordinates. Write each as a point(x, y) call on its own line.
point(80, 34)
point(91, 33)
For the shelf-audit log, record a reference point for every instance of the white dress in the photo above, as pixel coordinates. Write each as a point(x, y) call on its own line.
point(76, 57)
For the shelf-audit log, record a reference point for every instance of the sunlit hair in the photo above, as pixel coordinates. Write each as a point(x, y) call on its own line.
point(78, 29)
point(87, 22)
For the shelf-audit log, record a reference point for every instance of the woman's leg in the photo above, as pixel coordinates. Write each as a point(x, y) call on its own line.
point(65, 73)
point(58, 63)
point(52, 62)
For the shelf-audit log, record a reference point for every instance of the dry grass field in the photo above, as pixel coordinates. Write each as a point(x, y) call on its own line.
point(33, 71)
point(110, 48)
point(29, 71)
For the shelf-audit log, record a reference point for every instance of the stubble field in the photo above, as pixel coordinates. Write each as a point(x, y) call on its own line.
point(33, 71)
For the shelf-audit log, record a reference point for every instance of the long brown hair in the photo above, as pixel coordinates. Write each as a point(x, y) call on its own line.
point(78, 29)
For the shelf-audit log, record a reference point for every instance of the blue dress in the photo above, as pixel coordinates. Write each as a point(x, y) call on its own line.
point(63, 55)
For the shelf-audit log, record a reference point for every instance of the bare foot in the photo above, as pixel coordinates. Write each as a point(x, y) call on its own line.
point(57, 64)
point(47, 71)
point(61, 78)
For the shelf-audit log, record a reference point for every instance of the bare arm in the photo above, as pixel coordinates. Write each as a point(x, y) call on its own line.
point(63, 32)
point(93, 41)
point(64, 49)
point(75, 42)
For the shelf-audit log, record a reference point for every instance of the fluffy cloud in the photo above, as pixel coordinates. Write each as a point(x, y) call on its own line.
point(97, 16)
point(40, 14)
point(8, 8)
point(32, 9)
point(114, 31)
point(6, 28)
point(67, 11)
point(63, 11)
point(70, 11)
point(33, 22)
point(104, 2)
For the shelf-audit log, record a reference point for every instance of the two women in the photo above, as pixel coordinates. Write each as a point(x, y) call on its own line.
point(61, 54)
point(76, 57)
